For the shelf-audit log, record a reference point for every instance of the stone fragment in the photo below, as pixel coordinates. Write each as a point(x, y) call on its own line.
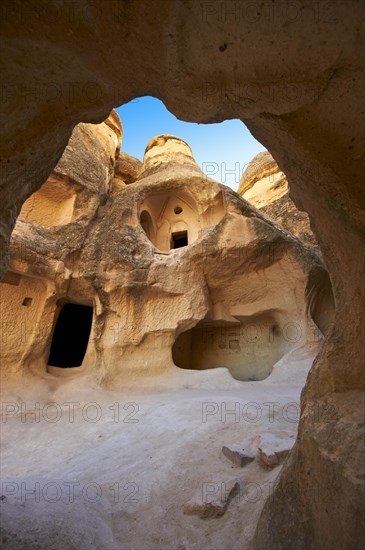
point(273, 450)
point(237, 455)
point(212, 500)
point(268, 459)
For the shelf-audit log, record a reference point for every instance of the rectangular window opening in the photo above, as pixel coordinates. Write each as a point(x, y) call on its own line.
point(179, 239)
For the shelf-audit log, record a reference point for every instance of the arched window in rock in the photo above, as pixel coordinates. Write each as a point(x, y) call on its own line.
point(170, 221)
point(147, 224)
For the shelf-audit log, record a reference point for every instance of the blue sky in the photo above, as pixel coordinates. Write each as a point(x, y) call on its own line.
point(221, 150)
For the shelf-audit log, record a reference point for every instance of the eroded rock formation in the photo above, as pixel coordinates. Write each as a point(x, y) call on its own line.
point(172, 270)
point(127, 169)
point(50, 232)
point(297, 82)
point(265, 186)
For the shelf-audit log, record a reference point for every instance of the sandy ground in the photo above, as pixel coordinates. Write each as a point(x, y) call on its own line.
point(112, 470)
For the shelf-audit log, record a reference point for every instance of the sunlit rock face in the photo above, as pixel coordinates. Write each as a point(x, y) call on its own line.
point(127, 169)
point(265, 185)
point(169, 274)
point(300, 90)
point(51, 229)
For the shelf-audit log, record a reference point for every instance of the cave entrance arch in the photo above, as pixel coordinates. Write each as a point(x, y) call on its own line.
point(70, 336)
point(248, 348)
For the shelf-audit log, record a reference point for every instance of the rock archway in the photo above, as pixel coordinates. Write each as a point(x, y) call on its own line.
point(299, 88)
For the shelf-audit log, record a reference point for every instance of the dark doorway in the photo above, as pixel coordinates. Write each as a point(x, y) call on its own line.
point(71, 336)
point(179, 239)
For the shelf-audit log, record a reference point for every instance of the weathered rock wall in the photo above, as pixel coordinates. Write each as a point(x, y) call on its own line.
point(265, 186)
point(295, 77)
point(177, 271)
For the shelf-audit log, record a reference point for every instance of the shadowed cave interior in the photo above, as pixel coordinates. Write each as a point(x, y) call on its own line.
point(249, 348)
point(70, 336)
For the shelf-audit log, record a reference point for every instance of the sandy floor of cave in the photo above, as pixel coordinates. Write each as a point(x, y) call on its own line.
point(158, 463)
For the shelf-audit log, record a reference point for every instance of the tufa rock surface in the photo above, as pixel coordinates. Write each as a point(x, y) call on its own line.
point(306, 107)
point(176, 271)
point(127, 168)
point(264, 185)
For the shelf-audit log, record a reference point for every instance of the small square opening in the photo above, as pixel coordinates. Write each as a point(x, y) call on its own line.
point(27, 302)
point(179, 239)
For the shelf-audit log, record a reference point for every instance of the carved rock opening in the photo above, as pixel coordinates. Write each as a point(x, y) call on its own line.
point(316, 136)
point(170, 220)
point(70, 336)
point(248, 348)
point(179, 239)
